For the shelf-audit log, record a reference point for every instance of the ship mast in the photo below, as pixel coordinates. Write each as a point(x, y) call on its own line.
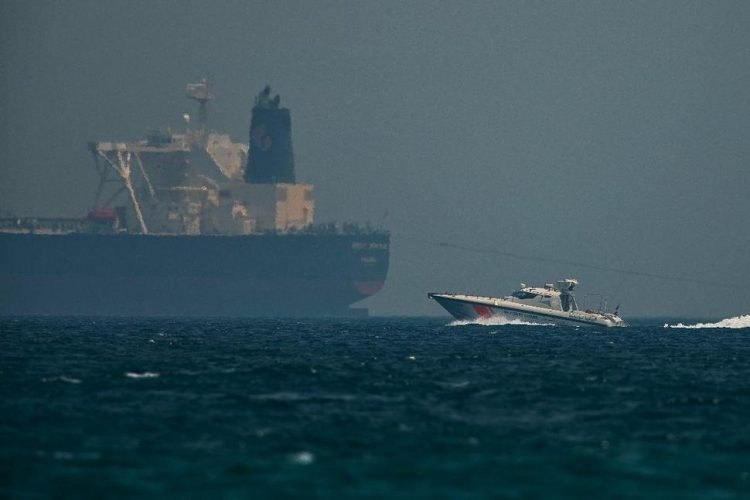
point(118, 157)
point(201, 92)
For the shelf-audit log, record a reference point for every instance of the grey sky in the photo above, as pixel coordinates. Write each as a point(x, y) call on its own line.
point(608, 133)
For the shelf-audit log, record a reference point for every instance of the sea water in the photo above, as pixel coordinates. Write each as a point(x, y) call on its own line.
point(373, 408)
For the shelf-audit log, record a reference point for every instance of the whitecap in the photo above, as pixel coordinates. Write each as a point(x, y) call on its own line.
point(735, 322)
point(302, 458)
point(141, 375)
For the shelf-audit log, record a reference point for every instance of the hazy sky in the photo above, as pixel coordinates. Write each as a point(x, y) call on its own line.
point(612, 134)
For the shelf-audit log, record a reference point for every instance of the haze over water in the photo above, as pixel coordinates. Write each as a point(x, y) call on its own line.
point(541, 140)
point(402, 408)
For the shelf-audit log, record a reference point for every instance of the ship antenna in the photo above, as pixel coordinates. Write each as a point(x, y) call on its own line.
point(382, 220)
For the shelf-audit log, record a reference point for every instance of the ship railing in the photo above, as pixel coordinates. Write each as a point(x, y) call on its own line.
point(42, 225)
point(485, 297)
point(341, 228)
point(595, 302)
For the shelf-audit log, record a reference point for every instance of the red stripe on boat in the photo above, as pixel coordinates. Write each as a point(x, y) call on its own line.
point(483, 311)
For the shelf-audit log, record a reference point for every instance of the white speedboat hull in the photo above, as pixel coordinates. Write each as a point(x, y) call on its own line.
point(473, 307)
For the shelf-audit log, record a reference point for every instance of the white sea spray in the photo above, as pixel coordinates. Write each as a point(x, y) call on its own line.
point(742, 321)
point(496, 320)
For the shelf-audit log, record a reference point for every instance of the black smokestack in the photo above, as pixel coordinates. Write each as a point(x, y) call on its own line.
point(271, 158)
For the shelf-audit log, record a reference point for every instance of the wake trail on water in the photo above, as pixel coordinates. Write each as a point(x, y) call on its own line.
point(735, 322)
point(495, 321)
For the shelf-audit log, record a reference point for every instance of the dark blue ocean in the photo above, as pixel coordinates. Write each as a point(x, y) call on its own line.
point(373, 408)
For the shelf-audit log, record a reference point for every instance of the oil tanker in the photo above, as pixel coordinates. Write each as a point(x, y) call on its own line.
point(194, 224)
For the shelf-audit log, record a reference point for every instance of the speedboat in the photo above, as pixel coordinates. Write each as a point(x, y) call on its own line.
point(552, 303)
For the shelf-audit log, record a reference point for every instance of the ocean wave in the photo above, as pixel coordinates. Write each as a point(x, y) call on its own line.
point(302, 458)
point(62, 378)
point(295, 397)
point(735, 322)
point(141, 375)
point(69, 455)
point(495, 321)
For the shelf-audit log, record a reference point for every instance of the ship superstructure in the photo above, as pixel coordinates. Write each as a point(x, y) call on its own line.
point(194, 223)
point(201, 182)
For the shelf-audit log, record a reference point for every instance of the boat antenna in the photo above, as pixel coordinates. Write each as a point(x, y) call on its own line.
point(597, 267)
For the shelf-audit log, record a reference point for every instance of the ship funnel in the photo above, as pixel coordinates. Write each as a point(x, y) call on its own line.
point(271, 158)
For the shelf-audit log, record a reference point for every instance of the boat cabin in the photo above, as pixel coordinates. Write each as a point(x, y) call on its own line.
point(558, 297)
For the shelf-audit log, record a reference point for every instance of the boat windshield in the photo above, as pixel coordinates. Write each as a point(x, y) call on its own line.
point(520, 294)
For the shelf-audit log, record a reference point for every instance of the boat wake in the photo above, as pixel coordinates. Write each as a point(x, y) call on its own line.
point(495, 321)
point(736, 322)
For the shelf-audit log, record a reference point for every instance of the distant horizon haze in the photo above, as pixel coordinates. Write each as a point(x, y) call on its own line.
point(499, 143)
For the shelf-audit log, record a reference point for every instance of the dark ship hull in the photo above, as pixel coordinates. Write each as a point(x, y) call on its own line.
point(305, 274)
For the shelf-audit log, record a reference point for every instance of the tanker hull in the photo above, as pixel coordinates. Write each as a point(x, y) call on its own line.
point(157, 275)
